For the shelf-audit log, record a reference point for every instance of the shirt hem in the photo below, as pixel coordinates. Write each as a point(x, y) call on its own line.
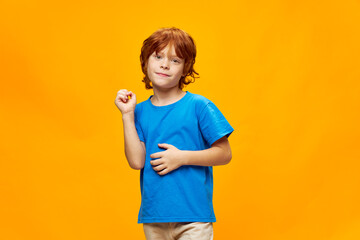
point(217, 137)
point(153, 220)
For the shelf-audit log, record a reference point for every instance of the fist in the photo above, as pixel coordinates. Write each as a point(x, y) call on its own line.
point(122, 101)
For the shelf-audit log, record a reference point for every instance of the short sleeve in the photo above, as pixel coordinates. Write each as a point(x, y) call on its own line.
point(213, 124)
point(137, 124)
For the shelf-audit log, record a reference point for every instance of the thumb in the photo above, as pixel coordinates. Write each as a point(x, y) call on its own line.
point(132, 95)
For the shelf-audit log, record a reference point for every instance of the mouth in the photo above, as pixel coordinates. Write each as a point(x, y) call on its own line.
point(163, 75)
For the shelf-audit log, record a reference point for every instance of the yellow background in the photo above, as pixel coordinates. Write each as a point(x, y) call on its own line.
point(284, 73)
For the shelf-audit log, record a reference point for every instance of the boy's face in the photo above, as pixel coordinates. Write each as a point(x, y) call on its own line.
point(165, 68)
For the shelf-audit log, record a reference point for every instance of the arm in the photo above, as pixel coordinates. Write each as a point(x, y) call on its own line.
point(134, 148)
point(218, 154)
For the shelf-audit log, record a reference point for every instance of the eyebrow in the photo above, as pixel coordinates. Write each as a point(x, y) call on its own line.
point(170, 55)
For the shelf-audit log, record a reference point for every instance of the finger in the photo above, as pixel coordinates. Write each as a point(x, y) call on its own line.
point(128, 95)
point(123, 98)
point(156, 162)
point(123, 91)
point(165, 145)
point(132, 95)
point(157, 155)
point(163, 172)
point(159, 168)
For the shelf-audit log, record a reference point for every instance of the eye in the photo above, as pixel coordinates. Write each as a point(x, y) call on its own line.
point(177, 61)
point(157, 56)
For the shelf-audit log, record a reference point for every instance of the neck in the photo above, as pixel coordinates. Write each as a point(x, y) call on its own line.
point(165, 97)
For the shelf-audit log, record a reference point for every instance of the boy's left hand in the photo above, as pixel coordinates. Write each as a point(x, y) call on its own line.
point(168, 160)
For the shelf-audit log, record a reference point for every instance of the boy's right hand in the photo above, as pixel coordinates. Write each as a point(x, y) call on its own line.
point(124, 104)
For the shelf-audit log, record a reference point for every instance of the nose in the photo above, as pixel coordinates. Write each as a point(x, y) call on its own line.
point(165, 64)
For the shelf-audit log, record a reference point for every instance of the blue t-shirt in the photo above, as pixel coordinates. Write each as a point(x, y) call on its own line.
point(184, 194)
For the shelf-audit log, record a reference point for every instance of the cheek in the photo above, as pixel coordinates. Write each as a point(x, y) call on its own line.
point(148, 68)
point(181, 71)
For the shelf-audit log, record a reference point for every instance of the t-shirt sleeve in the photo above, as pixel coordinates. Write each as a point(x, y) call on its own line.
point(137, 124)
point(213, 124)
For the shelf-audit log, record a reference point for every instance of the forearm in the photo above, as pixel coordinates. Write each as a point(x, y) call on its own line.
point(134, 151)
point(209, 157)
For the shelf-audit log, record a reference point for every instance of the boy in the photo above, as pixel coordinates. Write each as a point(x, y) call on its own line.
point(174, 138)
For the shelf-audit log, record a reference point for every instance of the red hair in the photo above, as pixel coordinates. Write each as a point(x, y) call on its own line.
point(184, 47)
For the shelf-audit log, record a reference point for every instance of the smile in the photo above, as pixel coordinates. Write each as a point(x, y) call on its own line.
point(163, 75)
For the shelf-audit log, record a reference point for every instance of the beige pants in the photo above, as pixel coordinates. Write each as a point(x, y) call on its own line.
point(179, 231)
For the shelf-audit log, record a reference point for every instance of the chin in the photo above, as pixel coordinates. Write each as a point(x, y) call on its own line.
point(163, 87)
point(160, 84)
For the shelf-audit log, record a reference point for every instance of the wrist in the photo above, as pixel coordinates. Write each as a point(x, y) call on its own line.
point(128, 114)
point(183, 158)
